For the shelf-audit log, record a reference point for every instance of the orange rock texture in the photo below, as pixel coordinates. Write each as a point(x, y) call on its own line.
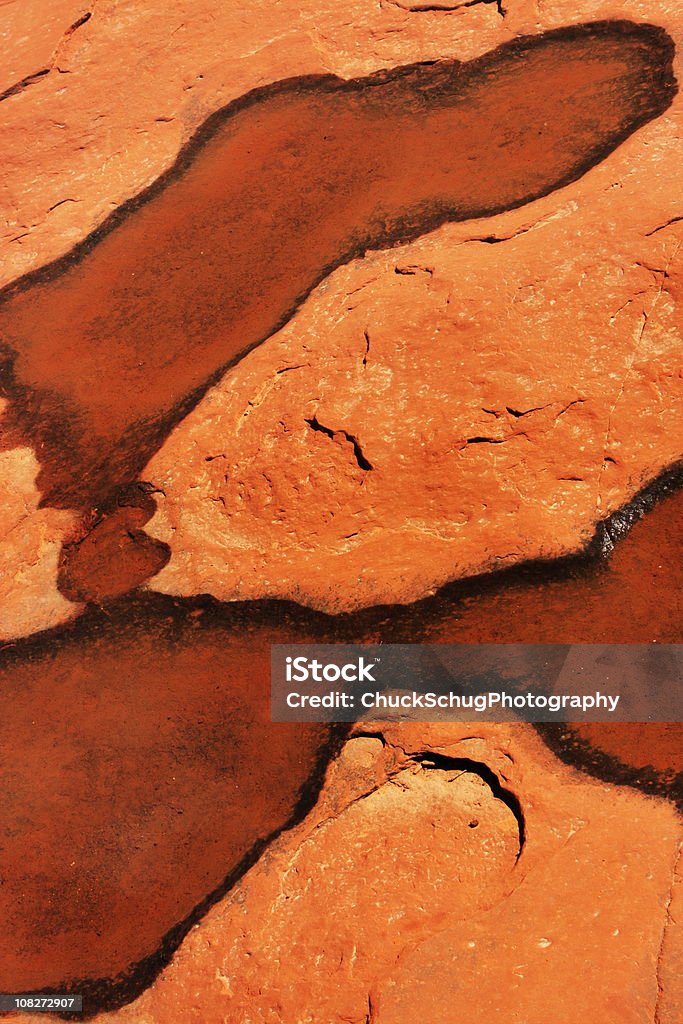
point(444, 874)
point(32, 538)
point(478, 398)
point(482, 396)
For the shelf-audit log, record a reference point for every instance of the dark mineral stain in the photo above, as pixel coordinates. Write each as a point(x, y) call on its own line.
point(648, 755)
point(634, 596)
point(109, 347)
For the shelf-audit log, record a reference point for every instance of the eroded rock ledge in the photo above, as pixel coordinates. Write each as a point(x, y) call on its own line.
point(473, 402)
point(436, 856)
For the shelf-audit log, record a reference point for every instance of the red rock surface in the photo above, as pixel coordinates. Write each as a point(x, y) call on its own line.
point(551, 338)
point(555, 333)
point(635, 597)
point(114, 554)
point(436, 912)
point(510, 382)
point(407, 150)
point(168, 718)
point(641, 744)
point(289, 511)
point(30, 546)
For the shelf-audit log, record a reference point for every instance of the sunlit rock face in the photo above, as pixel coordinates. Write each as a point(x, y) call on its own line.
point(434, 413)
point(31, 539)
point(483, 396)
point(439, 870)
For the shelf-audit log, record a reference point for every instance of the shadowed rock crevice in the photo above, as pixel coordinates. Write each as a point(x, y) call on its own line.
point(442, 762)
point(358, 455)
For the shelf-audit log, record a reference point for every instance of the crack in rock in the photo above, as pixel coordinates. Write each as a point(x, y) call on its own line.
point(444, 8)
point(35, 76)
point(363, 463)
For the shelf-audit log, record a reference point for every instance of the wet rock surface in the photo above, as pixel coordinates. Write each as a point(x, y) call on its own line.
point(155, 752)
point(139, 769)
point(490, 451)
point(350, 166)
point(113, 554)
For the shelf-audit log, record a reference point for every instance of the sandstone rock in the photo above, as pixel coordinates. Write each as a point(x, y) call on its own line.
point(511, 382)
point(639, 744)
point(458, 408)
point(671, 956)
point(435, 898)
point(135, 80)
point(633, 598)
point(481, 397)
point(113, 555)
point(407, 150)
point(30, 543)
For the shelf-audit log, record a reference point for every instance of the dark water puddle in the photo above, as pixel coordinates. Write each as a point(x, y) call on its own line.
point(141, 775)
point(647, 755)
point(109, 347)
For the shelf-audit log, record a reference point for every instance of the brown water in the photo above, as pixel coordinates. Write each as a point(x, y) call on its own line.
point(113, 344)
point(139, 771)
